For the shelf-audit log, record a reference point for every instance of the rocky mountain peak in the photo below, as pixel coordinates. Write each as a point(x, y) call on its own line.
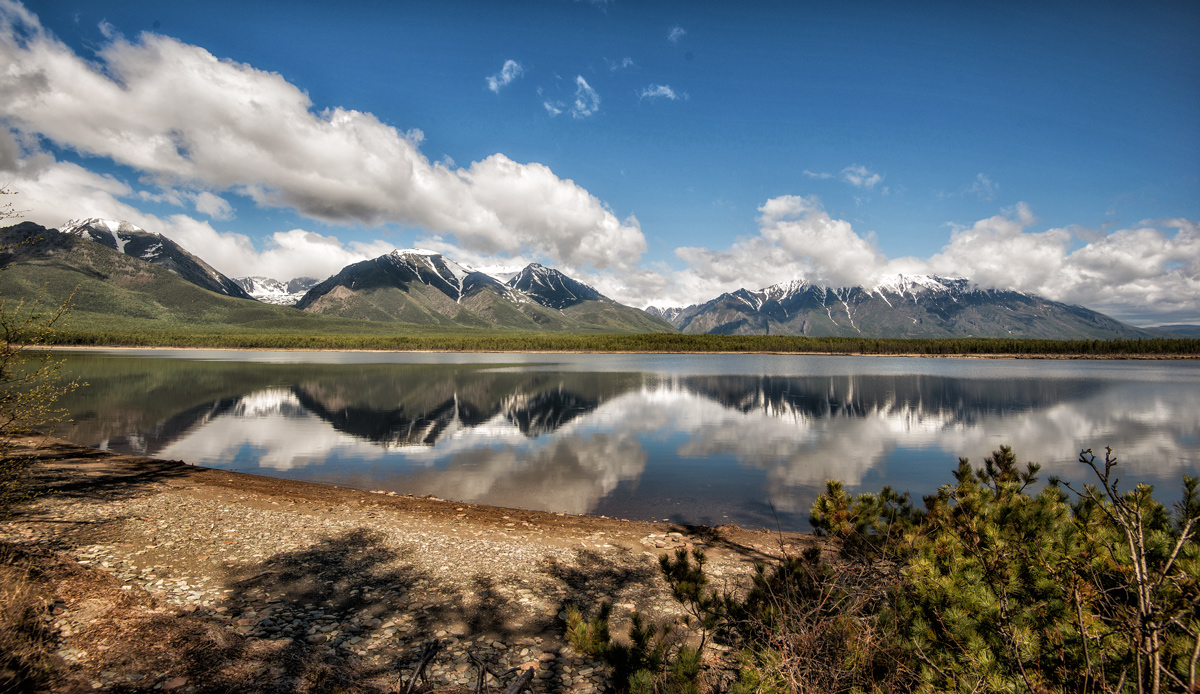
point(551, 288)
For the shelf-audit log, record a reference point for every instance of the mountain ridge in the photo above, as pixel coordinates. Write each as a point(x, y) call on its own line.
point(425, 287)
point(552, 288)
point(918, 306)
point(156, 249)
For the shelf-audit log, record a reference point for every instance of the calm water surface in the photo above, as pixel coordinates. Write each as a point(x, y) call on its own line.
point(694, 439)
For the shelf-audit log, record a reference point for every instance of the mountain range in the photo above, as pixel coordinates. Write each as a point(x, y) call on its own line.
point(900, 306)
point(424, 288)
point(109, 290)
point(119, 276)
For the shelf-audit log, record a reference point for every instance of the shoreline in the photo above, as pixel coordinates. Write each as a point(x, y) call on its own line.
point(263, 573)
point(911, 355)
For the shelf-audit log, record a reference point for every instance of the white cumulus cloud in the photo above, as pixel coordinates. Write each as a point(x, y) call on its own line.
point(213, 205)
point(188, 119)
point(676, 34)
point(797, 239)
point(1146, 275)
point(51, 192)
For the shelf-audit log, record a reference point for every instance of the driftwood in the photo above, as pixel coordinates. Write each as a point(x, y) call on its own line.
point(521, 683)
point(481, 685)
point(431, 650)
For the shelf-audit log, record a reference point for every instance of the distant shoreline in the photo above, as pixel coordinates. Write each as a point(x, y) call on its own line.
point(910, 355)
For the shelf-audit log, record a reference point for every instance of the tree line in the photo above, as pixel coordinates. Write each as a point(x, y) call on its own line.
point(652, 342)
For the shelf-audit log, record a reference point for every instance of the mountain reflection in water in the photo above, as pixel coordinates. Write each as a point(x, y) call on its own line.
point(693, 448)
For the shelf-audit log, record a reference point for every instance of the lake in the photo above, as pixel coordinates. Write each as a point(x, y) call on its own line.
point(712, 439)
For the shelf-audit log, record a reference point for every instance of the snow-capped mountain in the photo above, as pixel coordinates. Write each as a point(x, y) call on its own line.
point(551, 288)
point(272, 291)
point(896, 306)
point(136, 242)
point(419, 286)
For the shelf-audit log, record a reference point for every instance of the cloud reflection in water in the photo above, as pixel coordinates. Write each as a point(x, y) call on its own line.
point(578, 442)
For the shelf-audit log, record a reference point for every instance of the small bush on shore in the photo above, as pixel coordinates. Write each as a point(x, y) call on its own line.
point(30, 387)
point(653, 661)
point(29, 380)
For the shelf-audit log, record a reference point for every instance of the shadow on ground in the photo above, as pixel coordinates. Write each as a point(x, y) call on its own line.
point(78, 472)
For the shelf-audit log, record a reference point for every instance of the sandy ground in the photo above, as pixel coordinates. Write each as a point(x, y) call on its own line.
point(158, 575)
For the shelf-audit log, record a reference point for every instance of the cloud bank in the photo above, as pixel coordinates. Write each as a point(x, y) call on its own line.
point(192, 122)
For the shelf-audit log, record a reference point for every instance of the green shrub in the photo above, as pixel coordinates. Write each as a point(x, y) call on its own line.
point(1004, 590)
point(653, 662)
point(991, 587)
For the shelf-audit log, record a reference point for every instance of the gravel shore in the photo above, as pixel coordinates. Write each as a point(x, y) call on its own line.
point(166, 576)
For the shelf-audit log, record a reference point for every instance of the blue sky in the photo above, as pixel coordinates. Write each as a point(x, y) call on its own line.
point(663, 151)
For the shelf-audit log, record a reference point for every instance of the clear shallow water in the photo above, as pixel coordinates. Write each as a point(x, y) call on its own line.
point(709, 439)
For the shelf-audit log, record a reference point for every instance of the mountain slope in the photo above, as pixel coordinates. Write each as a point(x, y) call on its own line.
point(426, 288)
point(581, 302)
point(1183, 330)
point(901, 306)
point(136, 242)
point(109, 290)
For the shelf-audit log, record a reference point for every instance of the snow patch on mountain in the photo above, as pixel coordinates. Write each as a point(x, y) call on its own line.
point(915, 285)
point(272, 291)
point(93, 227)
point(668, 313)
point(784, 290)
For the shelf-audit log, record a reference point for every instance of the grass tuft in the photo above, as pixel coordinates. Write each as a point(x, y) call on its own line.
point(27, 662)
